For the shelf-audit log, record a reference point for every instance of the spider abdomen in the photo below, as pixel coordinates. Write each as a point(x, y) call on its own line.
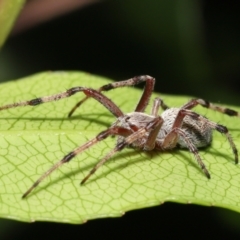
point(199, 132)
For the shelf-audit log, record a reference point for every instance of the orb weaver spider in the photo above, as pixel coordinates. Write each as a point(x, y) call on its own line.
point(174, 127)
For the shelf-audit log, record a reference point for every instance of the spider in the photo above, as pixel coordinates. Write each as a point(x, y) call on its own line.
point(174, 127)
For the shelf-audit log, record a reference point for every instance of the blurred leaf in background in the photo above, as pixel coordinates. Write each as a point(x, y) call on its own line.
point(9, 10)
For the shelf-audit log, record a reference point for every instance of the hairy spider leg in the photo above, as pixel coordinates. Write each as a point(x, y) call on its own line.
point(144, 100)
point(151, 140)
point(222, 129)
point(215, 126)
point(170, 140)
point(157, 103)
point(116, 130)
point(194, 102)
point(105, 101)
point(140, 133)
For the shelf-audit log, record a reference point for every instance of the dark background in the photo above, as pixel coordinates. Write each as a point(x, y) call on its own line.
point(190, 47)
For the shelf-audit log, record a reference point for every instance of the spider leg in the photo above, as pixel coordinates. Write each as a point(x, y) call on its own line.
point(157, 103)
point(101, 136)
point(215, 126)
point(194, 102)
point(171, 139)
point(151, 140)
point(78, 105)
point(140, 133)
point(143, 102)
point(106, 102)
point(224, 130)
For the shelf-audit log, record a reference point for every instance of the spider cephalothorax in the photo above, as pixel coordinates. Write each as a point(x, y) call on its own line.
point(174, 127)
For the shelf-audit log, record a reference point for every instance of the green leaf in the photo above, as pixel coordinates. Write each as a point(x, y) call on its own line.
point(34, 138)
point(9, 10)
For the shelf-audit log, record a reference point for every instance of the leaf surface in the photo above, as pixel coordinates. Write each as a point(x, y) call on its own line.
point(34, 138)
